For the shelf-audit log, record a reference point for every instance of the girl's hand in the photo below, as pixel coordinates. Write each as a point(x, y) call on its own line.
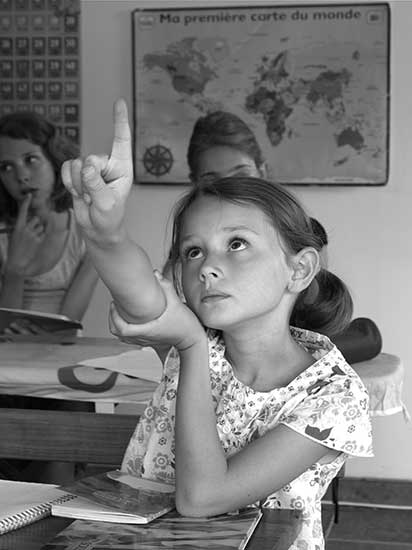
point(177, 326)
point(25, 241)
point(23, 327)
point(100, 184)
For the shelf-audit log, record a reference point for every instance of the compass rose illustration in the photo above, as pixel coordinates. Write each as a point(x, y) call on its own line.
point(158, 160)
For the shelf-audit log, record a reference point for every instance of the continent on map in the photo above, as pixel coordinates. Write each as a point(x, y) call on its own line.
point(187, 66)
point(328, 86)
point(276, 93)
point(270, 98)
point(271, 106)
point(352, 137)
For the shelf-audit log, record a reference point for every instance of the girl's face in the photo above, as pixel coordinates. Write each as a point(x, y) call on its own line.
point(234, 268)
point(222, 161)
point(24, 169)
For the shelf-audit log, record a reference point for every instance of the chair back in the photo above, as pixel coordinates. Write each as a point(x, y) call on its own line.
point(67, 436)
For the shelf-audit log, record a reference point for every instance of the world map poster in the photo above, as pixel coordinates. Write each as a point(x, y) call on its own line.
point(311, 81)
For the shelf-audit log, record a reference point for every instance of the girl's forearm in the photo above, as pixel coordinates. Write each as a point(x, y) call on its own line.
point(78, 296)
point(127, 272)
point(200, 461)
point(12, 289)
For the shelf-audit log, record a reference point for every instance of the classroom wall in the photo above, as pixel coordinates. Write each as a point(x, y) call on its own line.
point(370, 228)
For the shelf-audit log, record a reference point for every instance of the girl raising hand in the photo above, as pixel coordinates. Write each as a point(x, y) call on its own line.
point(249, 408)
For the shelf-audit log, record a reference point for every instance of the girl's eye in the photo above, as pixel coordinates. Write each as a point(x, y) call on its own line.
point(32, 159)
point(192, 253)
point(238, 244)
point(4, 168)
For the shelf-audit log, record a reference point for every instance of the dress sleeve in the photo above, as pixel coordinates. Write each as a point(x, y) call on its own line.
point(335, 412)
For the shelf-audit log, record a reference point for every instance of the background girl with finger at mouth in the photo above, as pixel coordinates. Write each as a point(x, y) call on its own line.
point(43, 261)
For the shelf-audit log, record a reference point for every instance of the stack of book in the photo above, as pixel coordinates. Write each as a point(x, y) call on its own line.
point(118, 511)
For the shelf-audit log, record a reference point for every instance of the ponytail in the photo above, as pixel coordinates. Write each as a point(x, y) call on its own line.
point(325, 307)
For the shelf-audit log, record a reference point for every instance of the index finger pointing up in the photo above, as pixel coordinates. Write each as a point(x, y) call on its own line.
point(122, 143)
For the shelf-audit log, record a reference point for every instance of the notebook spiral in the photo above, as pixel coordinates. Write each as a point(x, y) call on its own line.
point(35, 513)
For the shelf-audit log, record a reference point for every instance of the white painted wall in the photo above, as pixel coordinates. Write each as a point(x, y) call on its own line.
point(370, 228)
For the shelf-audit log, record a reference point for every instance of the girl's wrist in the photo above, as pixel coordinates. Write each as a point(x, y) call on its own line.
point(193, 344)
point(107, 241)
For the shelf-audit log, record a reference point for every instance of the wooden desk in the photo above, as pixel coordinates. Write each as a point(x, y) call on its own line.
point(276, 531)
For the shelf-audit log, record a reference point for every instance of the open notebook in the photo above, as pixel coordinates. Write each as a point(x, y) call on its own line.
point(22, 503)
point(116, 497)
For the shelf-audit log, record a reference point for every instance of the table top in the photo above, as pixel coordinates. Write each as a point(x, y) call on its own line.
point(276, 531)
point(383, 377)
point(105, 370)
point(91, 369)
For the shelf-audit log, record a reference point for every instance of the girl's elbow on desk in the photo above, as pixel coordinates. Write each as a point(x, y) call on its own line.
point(209, 499)
point(195, 503)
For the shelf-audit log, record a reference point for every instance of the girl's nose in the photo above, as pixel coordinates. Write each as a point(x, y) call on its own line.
point(209, 273)
point(22, 174)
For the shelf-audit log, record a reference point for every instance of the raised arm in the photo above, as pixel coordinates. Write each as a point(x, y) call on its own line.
point(100, 186)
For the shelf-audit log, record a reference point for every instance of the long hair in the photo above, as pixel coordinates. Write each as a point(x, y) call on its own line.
point(221, 128)
point(331, 309)
point(56, 148)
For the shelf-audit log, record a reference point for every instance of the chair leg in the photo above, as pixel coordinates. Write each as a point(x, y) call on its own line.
point(335, 497)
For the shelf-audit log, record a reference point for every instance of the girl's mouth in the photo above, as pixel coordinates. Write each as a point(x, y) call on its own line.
point(26, 192)
point(213, 298)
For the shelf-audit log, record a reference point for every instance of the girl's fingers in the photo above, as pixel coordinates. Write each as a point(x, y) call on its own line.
point(82, 177)
point(98, 162)
point(119, 327)
point(75, 176)
point(34, 222)
point(122, 142)
point(167, 286)
point(18, 328)
point(92, 180)
point(36, 226)
point(124, 331)
point(66, 173)
point(117, 324)
point(23, 210)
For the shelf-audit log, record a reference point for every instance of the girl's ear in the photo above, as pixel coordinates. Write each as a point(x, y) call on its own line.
point(305, 266)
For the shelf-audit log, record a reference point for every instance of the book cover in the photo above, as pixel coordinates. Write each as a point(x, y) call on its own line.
point(117, 497)
point(22, 503)
point(49, 322)
point(228, 531)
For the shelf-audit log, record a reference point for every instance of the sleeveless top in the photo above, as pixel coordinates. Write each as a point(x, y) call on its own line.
point(46, 291)
point(327, 403)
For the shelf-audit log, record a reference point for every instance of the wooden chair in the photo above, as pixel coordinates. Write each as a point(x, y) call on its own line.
point(335, 492)
point(68, 436)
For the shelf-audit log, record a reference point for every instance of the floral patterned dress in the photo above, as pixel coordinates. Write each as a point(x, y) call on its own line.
point(327, 403)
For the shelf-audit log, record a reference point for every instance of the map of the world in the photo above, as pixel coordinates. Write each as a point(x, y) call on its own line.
point(312, 82)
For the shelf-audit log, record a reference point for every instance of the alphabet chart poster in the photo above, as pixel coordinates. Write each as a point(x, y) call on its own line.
point(312, 82)
point(40, 60)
